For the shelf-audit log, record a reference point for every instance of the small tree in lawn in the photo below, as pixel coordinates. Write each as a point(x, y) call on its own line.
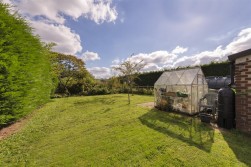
point(129, 69)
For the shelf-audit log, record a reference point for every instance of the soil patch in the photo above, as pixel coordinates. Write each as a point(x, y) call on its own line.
point(148, 104)
point(13, 128)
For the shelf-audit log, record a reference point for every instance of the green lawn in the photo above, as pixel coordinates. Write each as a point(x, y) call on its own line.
point(106, 131)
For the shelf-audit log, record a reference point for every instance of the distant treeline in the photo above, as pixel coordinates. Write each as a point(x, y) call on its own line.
point(212, 69)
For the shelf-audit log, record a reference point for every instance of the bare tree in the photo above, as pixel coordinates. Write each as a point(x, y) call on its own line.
point(129, 70)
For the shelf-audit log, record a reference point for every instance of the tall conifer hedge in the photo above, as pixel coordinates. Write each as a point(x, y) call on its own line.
point(25, 80)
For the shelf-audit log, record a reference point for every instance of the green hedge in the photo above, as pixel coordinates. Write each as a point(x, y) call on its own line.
point(216, 69)
point(25, 80)
point(148, 78)
point(212, 69)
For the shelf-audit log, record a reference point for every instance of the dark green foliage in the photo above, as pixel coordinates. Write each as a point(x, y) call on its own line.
point(99, 91)
point(72, 76)
point(148, 78)
point(143, 90)
point(25, 81)
point(216, 69)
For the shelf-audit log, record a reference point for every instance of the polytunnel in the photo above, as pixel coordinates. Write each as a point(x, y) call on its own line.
point(180, 90)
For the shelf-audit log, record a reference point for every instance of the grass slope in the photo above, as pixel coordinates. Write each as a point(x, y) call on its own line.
point(106, 131)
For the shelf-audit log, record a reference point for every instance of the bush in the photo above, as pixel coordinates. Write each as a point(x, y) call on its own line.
point(114, 91)
point(99, 91)
point(143, 91)
point(75, 89)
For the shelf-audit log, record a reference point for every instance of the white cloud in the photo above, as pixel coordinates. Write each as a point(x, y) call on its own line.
point(47, 17)
point(6, 1)
point(92, 56)
point(103, 11)
point(98, 11)
point(159, 60)
point(116, 61)
point(153, 60)
point(67, 41)
point(100, 72)
point(221, 37)
point(151, 67)
point(179, 50)
point(241, 42)
point(202, 58)
point(157, 57)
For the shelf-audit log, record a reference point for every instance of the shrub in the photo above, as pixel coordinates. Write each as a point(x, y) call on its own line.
point(99, 91)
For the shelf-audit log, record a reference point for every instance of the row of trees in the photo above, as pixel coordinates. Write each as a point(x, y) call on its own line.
point(72, 78)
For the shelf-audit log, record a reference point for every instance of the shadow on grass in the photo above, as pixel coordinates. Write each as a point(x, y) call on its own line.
point(239, 143)
point(184, 128)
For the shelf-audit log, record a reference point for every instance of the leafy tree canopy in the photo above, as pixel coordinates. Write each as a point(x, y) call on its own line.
point(72, 75)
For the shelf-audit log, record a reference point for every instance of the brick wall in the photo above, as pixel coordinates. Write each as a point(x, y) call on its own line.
point(243, 94)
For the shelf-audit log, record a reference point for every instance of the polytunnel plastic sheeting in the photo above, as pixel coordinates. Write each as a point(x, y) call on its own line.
point(181, 77)
point(175, 77)
point(163, 79)
point(200, 80)
point(188, 77)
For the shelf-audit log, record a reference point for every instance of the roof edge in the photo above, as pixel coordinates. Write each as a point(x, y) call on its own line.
point(235, 56)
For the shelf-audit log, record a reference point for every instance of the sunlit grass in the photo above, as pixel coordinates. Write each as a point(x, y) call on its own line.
point(106, 131)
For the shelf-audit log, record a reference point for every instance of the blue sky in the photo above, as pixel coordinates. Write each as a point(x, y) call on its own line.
point(163, 33)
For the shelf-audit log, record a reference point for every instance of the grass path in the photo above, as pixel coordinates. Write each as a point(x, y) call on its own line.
point(106, 131)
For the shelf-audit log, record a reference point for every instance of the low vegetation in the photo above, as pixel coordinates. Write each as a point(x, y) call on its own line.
point(106, 131)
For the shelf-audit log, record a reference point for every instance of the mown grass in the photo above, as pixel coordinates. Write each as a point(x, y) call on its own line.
point(106, 131)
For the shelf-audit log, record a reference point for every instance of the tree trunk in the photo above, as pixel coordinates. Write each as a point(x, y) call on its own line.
point(65, 87)
point(129, 100)
point(131, 90)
